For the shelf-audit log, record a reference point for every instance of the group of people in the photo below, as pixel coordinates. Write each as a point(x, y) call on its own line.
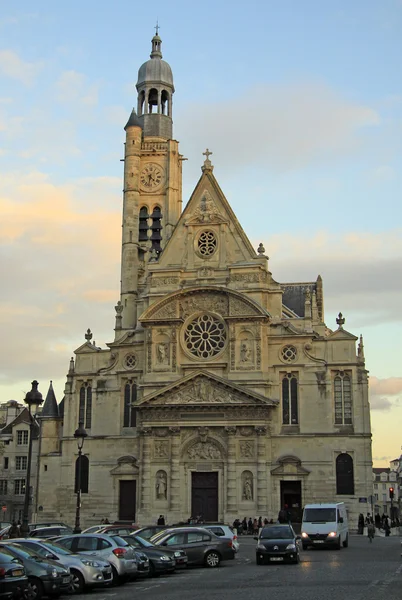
point(250, 526)
point(378, 522)
point(15, 530)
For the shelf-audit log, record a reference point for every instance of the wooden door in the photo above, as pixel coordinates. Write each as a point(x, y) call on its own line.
point(204, 496)
point(127, 500)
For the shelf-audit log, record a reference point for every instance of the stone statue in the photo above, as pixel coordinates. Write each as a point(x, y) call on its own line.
point(245, 352)
point(162, 353)
point(161, 485)
point(248, 489)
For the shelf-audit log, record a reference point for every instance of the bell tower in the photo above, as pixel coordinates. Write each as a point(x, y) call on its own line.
point(152, 201)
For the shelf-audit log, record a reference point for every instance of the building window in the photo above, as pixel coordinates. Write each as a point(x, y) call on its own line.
point(384, 497)
point(290, 399)
point(6, 462)
point(384, 486)
point(156, 229)
point(85, 412)
point(143, 225)
point(344, 475)
point(130, 412)
point(84, 474)
point(21, 463)
point(376, 486)
point(19, 486)
point(22, 438)
point(376, 497)
point(343, 399)
point(3, 487)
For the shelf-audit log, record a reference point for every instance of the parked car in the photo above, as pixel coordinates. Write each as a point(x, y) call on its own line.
point(93, 529)
point(180, 556)
point(45, 577)
point(160, 560)
point(118, 529)
point(33, 526)
point(278, 543)
point(113, 549)
point(13, 579)
point(142, 563)
point(201, 546)
point(86, 572)
point(224, 531)
point(48, 532)
point(147, 532)
point(4, 532)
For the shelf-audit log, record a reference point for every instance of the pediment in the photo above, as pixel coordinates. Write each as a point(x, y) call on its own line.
point(203, 388)
point(86, 348)
point(206, 212)
point(290, 465)
point(180, 305)
point(126, 465)
point(341, 334)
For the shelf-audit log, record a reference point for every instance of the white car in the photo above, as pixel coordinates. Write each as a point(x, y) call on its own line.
point(224, 531)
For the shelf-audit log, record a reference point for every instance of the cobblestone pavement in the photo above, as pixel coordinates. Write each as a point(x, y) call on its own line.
point(361, 572)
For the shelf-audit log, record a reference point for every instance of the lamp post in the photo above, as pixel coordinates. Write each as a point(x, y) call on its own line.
point(32, 398)
point(80, 434)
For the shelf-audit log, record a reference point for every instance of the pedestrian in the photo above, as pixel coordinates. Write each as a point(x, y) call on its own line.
point(282, 516)
point(370, 531)
point(369, 520)
point(360, 524)
point(387, 527)
point(259, 522)
point(106, 521)
point(255, 527)
point(265, 521)
point(377, 520)
point(161, 520)
point(250, 526)
point(14, 531)
point(244, 526)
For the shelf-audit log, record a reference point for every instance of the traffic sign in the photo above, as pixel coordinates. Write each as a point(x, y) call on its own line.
point(4, 508)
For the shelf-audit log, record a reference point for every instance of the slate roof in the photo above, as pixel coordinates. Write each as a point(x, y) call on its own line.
point(23, 417)
point(50, 408)
point(133, 120)
point(294, 296)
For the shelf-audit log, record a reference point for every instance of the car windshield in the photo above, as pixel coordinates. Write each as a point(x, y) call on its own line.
point(58, 548)
point(276, 533)
point(319, 515)
point(158, 536)
point(23, 552)
point(141, 540)
point(119, 540)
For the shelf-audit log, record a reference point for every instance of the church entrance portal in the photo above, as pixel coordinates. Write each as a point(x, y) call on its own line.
point(204, 496)
point(127, 500)
point(291, 495)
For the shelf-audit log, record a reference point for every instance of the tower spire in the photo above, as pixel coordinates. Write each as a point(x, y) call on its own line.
point(156, 44)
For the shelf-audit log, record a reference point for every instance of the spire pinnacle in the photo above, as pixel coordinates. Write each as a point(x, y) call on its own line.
point(207, 166)
point(156, 44)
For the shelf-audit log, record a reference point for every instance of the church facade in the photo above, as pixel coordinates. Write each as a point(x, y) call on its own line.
point(224, 393)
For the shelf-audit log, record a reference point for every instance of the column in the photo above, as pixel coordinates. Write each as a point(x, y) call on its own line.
point(231, 498)
point(262, 507)
point(146, 500)
point(175, 470)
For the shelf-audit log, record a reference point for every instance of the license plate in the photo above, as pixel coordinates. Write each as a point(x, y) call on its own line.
point(66, 579)
point(276, 558)
point(318, 541)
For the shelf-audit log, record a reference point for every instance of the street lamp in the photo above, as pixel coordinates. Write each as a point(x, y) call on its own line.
point(80, 434)
point(33, 399)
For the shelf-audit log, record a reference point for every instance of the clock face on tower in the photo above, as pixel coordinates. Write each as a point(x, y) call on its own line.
point(151, 176)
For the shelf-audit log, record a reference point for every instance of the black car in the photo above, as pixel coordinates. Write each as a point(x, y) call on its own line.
point(147, 532)
point(45, 577)
point(201, 546)
point(13, 580)
point(278, 543)
point(160, 560)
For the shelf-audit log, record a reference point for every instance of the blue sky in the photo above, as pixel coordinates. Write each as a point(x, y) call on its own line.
point(301, 104)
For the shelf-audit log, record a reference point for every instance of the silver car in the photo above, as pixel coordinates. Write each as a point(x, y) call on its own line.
point(113, 549)
point(85, 572)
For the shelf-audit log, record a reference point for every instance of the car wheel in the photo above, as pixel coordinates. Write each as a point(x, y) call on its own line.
point(346, 542)
point(258, 560)
point(115, 577)
point(152, 570)
point(212, 559)
point(297, 558)
point(305, 546)
point(77, 582)
point(35, 588)
point(338, 545)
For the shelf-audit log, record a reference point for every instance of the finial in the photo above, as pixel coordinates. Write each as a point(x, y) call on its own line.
point(154, 255)
point(88, 335)
point(156, 27)
point(119, 309)
point(308, 295)
point(261, 249)
point(360, 348)
point(156, 44)
point(207, 166)
point(71, 368)
point(340, 320)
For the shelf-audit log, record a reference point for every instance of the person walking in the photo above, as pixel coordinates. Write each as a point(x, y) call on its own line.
point(161, 520)
point(370, 531)
point(360, 524)
point(250, 526)
point(14, 531)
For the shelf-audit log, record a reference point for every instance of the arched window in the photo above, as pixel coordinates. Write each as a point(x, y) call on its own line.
point(165, 103)
point(153, 100)
point(290, 399)
point(156, 228)
point(130, 412)
point(85, 408)
point(143, 225)
point(84, 474)
point(343, 398)
point(345, 484)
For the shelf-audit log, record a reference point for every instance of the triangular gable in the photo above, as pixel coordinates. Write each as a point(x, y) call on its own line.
point(341, 334)
point(22, 417)
point(208, 206)
point(87, 348)
point(206, 389)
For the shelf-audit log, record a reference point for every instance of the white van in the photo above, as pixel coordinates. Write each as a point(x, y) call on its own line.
point(325, 525)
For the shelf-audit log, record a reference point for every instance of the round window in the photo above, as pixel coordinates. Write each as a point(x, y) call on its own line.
point(205, 336)
point(288, 354)
point(130, 361)
point(207, 243)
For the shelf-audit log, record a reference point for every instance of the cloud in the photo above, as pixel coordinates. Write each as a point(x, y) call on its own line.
point(379, 403)
point(11, 65)
point(72, 87)
point(384, 393)
point(291, 126)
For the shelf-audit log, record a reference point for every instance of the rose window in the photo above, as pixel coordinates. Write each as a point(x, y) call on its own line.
point(130, 361)
point(288, 354)
point(207, 243)
point(205, 336)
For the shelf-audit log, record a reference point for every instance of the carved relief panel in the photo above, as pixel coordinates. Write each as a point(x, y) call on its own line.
point(246, 449)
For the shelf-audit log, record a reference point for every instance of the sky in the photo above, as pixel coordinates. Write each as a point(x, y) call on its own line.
point(301, 105)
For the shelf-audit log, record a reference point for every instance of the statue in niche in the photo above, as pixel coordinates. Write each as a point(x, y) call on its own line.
point(161, 485)
point(245, 352)
point(248, 489)
point(162, 353)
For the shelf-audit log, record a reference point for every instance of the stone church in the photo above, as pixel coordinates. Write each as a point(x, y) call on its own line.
point(223, 393)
